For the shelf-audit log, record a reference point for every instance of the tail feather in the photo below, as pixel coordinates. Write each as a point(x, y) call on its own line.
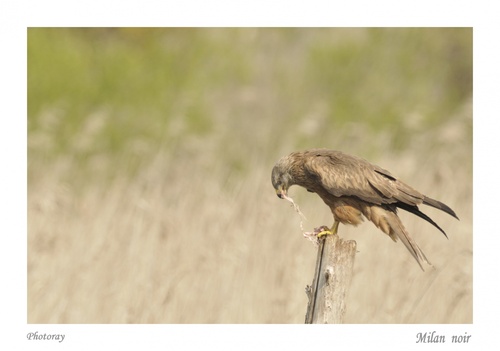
point(397, 228)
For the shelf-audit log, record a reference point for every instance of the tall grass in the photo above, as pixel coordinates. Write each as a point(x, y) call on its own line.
point(150, 153)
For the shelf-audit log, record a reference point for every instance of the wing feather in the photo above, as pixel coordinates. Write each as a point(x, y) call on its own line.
point(345, 175)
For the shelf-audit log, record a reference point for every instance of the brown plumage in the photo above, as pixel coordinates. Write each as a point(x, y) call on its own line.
point(353, 187)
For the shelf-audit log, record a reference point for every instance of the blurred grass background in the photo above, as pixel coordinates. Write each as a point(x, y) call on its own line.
point(149, 160)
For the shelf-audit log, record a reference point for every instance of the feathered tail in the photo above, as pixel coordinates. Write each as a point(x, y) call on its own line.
point(386, 219)
point(397, 230)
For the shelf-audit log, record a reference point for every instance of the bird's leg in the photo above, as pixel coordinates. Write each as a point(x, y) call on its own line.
point(332, 231)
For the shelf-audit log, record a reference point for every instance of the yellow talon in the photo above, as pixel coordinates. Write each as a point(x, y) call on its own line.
point(327, 231)
point(324, 232)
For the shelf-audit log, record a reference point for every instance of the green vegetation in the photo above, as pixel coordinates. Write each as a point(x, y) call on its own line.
point(150, 153)
point(125, 93)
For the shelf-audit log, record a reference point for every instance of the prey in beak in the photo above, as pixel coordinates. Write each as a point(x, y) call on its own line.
point(281, 193)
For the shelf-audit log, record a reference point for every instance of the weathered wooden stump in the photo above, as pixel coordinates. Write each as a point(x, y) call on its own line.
point(332, 278)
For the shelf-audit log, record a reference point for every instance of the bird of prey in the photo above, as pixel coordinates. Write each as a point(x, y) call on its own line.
point(353, 187)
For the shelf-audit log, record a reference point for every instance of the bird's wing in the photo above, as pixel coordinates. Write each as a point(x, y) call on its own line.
point(345, 175)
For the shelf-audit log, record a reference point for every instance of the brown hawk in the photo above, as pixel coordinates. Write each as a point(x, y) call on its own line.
point(353, 187)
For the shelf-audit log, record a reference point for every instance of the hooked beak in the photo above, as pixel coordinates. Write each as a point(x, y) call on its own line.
point(281, 193)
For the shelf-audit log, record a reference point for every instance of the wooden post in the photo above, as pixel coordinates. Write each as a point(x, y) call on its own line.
point(332, 278)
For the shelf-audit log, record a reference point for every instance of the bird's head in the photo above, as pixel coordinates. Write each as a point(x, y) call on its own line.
point(281, 177)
